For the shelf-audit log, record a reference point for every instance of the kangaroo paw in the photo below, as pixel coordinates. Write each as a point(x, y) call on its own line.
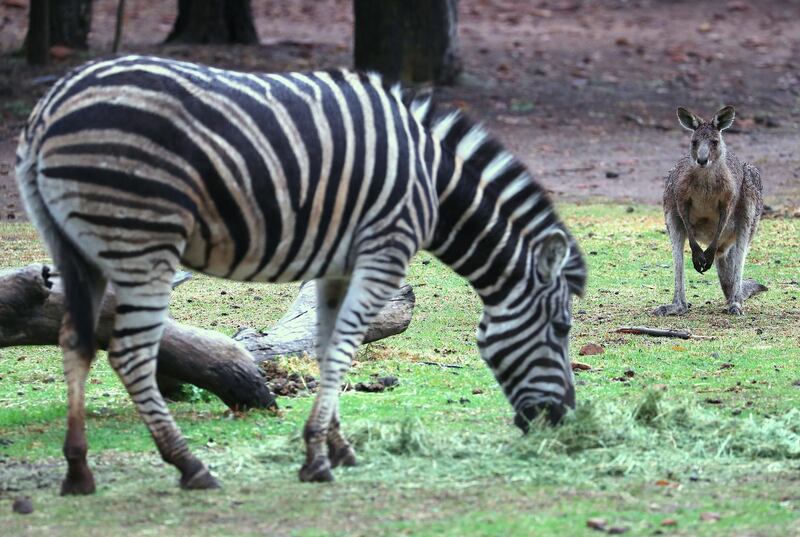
point(734, 309)
point(670, 309)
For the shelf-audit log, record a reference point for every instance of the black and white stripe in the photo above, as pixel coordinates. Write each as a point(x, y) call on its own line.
point(139, 164)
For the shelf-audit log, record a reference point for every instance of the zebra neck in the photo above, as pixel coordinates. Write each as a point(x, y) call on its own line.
point(487, 226)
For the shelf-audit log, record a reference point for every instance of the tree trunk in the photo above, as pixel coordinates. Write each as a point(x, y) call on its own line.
point(408, 40)
point(214, 21)
point(120, 22)
point(70, 22)
point(37, 43)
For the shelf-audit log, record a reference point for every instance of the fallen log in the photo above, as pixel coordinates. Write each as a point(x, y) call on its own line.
point(32, 306)
point(295, 333)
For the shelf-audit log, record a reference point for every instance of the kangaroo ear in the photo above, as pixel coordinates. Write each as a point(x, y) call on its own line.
point(724, 118)
point(553, 255)
point(687, 119)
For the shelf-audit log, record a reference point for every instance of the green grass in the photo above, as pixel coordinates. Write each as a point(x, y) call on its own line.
point(699, 426)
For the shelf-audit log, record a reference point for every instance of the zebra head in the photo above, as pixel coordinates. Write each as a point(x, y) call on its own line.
point(498, 228)
point(524, 337)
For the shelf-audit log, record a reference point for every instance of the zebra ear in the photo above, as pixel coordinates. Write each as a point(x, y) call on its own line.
point(553, 255)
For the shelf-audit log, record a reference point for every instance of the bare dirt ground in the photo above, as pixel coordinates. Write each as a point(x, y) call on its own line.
point(583, 91)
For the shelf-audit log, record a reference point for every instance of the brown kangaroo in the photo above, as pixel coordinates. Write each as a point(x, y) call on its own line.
point(712, 197)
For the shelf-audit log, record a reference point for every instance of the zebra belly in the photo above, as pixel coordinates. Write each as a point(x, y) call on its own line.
point(252, 268)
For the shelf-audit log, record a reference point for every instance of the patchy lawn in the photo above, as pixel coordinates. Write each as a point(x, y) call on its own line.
point(697, 437)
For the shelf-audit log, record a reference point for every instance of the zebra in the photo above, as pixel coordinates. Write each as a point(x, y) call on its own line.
point(133, 165)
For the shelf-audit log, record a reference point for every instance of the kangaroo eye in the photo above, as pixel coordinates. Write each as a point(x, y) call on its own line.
point(561, 329)
point(694, 143)
point(714, 143)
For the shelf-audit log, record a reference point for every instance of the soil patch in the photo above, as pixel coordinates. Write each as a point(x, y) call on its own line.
point(583, 92)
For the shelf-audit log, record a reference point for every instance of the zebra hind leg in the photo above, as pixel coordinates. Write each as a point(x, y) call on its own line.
point(84, 286)
point(330, 293)
point(369, 290)
point(138, 326)
point(77, 362)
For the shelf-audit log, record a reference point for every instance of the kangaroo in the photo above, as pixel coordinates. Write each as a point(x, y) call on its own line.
point(712, 197)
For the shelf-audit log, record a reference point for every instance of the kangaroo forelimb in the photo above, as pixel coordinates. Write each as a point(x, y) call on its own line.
point(711, 251)
point(698, 256)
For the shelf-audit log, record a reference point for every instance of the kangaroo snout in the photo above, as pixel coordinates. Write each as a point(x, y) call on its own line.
point(703, 154)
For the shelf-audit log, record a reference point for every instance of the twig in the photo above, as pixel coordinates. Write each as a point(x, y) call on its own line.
point(659, 332)
point(451, 366)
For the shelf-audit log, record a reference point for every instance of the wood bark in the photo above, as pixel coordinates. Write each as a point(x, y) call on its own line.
point(70, 22)
point(37, 42)
point(659, 332)
point(408, 40)
point(214, 21)
point(295, 333)
point(32, 306)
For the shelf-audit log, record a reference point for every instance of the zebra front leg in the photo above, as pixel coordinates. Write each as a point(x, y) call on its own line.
point(340, 452)
point(330, 294)
point(677, 236)
point(370, 289)
point(132, 352)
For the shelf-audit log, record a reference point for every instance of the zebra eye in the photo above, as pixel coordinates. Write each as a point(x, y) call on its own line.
point(561, 329)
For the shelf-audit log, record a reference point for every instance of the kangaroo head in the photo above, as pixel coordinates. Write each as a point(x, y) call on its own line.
point(707, 144)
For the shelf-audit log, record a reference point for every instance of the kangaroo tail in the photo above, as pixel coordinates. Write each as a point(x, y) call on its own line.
point(751, 287)
point(79, 277)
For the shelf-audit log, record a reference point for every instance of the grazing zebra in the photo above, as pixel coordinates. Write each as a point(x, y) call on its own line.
point(133, 165)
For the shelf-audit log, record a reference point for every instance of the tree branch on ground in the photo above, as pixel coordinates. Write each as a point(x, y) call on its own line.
point(32, 307)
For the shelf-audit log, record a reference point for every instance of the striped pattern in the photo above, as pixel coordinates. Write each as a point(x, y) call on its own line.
point(132, 166)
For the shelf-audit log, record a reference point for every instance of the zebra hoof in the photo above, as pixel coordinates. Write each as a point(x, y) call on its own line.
point(202, 480)
point(318, 471)
point(343, 456)
point(78, 487)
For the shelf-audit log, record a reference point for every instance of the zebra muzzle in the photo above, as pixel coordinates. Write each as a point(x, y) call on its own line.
point(550, 413)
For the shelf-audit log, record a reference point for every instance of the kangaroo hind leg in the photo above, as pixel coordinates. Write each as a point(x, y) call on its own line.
point(677, 237)
point(730, 270)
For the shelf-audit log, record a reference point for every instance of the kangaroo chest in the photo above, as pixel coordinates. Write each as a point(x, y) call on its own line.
point(708, 195)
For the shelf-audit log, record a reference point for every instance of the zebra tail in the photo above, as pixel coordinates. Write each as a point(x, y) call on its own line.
point(77, 274)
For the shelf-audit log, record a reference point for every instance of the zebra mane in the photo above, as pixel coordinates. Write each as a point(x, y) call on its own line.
point(472, 142)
